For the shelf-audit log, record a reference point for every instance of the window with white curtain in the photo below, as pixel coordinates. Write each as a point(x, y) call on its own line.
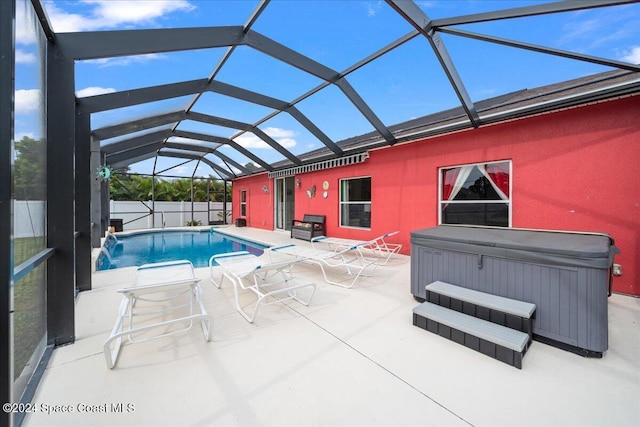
point(476, 194)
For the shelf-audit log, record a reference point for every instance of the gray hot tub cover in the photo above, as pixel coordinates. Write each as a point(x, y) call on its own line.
point(592, 250)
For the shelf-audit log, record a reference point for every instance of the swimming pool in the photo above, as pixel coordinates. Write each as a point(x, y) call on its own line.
point(167, 245)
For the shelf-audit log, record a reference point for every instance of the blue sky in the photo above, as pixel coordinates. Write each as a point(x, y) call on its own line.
point(403, 84)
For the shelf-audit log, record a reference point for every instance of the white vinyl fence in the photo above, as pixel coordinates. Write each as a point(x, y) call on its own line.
point(135, 215)
point(29, 218)
point(29, 215)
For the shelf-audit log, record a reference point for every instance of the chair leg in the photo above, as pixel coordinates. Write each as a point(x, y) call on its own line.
point(124, 326)
point(218, 284)
point(206, 322)
point(301, 301)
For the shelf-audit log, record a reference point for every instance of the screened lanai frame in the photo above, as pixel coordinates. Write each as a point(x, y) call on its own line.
point(152, 135)
point(168, 134)
point(81, 147)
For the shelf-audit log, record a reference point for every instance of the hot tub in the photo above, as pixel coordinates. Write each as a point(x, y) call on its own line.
point(566, 275)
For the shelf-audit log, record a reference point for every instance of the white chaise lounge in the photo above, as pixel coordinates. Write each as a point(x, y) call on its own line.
point(348, 260)
point(379, 246)
point(270, 282)
point(166, 294)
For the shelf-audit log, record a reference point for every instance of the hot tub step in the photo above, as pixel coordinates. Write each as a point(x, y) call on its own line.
point(497, 341)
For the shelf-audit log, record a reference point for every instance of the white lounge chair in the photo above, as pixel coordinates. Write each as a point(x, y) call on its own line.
point(160, 289)
point(271, 282)
point(348, 259)
point(378, 246)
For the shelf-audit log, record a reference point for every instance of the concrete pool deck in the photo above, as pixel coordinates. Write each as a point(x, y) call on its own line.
point(352, 357)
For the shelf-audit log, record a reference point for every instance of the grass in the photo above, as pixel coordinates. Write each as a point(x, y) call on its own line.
point(29, 319)
point(26, 247)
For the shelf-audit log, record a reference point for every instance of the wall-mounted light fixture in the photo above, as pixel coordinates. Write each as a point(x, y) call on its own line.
point(298, 183)
point(265, 189)
point(312, 191)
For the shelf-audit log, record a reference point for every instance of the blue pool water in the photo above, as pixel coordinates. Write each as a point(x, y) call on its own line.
point(158, 246)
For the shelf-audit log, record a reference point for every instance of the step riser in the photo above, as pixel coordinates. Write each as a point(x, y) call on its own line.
point(495, 316)
point(488, 348)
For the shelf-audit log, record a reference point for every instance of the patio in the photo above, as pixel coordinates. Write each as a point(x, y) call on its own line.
point(352, 357)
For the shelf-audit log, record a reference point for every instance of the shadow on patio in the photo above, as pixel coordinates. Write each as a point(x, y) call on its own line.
point(352, 357)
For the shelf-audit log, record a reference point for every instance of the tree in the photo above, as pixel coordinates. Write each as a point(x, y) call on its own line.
point(30, 168)
point(124, 186)
point(216, 190)
point(182, 189)
point(200, 190)
point(164, 191)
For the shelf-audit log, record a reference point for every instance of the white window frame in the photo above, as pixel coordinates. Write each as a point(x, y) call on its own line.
point(509, 202)
point(243, 203)
point(341, 203)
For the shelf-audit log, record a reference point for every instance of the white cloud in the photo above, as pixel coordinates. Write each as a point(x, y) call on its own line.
point(373, 8)
point(250, 141)
point(64, 22)
point(126, 12)
point(181, 139)
point(282, 136)
point(279, 132)
point(93, 90)
point(632, 55)
point(182, 170)
point(202, 169)
point(113, 13)
point(25, 24)
point(23, 57)
point(20, 136)
point(27, 101)
point(227, 167)
point(286, 142)
point(605, 27)
point(126, 60)
point(579, 29)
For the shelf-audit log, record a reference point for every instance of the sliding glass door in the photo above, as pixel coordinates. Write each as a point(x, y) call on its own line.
point(285, 203)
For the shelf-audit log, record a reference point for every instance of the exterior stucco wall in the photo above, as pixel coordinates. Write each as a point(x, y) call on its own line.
point(575, 170)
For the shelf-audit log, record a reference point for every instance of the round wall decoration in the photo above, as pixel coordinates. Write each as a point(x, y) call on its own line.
point(104, 173)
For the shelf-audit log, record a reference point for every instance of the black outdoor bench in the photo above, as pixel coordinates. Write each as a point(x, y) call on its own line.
point(308, 227)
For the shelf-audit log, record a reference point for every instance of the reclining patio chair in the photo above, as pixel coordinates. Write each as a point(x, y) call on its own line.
point(271, 282)
point(378, 246)
point(348, 259)
point(160, 289)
